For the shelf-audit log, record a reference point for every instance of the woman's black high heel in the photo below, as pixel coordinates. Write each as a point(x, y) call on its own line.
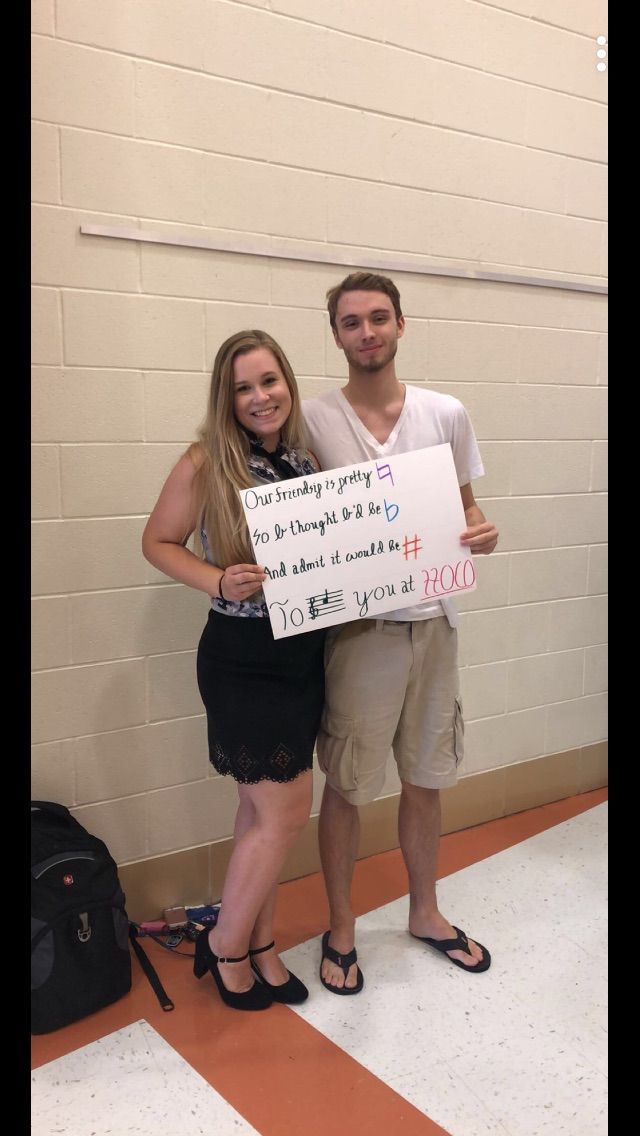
point(257, 998)
point(290, 992)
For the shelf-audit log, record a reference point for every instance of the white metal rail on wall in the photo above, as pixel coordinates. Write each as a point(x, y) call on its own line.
point(286, 248)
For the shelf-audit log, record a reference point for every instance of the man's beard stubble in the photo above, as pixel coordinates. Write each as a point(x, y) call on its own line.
point(371, 366)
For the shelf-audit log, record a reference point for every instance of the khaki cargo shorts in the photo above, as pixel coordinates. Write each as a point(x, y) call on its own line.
point(391, 686)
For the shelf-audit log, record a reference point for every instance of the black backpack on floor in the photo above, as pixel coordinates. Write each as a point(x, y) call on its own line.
point(80, 957)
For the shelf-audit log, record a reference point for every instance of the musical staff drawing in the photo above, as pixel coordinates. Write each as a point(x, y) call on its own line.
point(326, 603)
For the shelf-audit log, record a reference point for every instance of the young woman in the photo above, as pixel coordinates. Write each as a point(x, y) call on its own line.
point(263, 697)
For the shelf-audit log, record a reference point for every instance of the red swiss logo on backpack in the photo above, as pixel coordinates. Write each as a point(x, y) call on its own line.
point(67, 880)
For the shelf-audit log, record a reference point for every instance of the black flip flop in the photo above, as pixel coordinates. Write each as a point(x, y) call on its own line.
point(460, 943)
point(344, 962)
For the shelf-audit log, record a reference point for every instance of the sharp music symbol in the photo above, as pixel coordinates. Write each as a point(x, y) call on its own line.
point(411, 547)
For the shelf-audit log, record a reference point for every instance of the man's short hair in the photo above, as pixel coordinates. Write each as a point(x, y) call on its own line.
point(363, 282)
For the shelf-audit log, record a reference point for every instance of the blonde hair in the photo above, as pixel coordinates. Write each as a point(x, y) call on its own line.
point(223, 449)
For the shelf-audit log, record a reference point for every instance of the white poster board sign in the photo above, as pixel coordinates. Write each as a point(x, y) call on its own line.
point(354, 542)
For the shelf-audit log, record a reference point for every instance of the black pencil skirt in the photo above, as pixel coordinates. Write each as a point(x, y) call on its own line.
point(263, 698)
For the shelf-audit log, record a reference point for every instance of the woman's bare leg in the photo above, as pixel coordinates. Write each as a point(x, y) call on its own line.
point(269, 820)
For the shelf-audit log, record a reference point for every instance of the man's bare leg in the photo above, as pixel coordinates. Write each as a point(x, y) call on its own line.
point(339, 836)
point(419, 831)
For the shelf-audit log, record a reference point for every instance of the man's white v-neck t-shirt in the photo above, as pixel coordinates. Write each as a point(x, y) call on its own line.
point(338, 437)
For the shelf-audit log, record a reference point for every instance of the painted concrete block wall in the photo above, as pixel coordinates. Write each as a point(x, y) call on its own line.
point(466, 132)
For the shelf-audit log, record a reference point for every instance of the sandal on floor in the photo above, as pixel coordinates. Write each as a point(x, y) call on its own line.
point(460, 943)
point(344, 962)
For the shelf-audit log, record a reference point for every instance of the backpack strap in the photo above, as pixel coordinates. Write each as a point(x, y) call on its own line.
point(50, 807)
point(150, 971)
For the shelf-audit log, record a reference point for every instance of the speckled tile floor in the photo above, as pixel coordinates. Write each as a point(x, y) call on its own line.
point(129, 1081)
point(425, 1049)
point(463, 1049)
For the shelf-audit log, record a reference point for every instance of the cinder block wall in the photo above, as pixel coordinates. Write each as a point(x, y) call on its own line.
point(462, 135)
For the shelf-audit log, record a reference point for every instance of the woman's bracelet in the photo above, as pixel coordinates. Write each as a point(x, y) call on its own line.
point(220, 592)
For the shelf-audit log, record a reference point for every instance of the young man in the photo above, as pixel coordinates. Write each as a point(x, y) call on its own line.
point(392, 683)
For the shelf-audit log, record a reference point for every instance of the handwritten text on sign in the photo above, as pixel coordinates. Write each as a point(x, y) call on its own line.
point(357, 541)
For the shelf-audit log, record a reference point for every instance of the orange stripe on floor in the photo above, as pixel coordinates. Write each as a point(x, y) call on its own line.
point(279, 1072)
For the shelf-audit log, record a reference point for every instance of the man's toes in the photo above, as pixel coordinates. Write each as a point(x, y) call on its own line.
point(460, 956)
point(463, 957)
point(332, 976)
point(470, 962)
